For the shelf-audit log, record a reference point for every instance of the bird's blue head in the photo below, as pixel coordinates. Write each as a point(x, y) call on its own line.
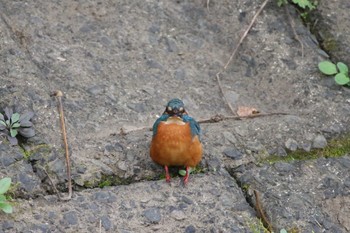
point(175, 107)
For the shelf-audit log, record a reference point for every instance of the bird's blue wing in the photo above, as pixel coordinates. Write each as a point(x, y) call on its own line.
point(163, 117)
point(195, 128)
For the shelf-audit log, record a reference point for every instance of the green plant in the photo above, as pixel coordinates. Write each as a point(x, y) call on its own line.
point(301, 3)
point(182, 172)
point(340, 70)
point(192, 170)
point(256, 226)
point(12, 124)
point(4, 186)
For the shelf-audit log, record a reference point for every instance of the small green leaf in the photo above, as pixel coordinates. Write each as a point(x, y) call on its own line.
point(16, 125)
point(2, 122)
point(327, 67)
point(6, 207)
point(2, 198)
point(7, 122)
point(342, 68)
point(283, 231)
point(341, 79)
point(281, 2)
point(182, 172)
point(13, 132)
point(5, 185)
point(15, 117)
point(304, 3)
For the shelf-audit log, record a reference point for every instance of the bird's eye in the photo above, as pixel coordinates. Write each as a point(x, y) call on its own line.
point(169, 109)
point(181, 109)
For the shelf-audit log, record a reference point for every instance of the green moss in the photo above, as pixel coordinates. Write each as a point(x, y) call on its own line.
point(329, 44)
point(43, 148)
point(336, 148)
point(108, 180)
point(256, 226)
point(245, 187)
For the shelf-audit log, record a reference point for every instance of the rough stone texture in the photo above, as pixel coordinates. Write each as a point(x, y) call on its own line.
point(333, 33)
point(309, 195)
point(118, 63)
point(211, 202)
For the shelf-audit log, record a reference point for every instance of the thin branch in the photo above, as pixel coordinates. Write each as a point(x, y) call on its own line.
point(58, 95)
point(235, 51)
point(100, 226)
point(218, 118)
point(246, 33)
point(52, 184)
point(124, 132)
point(223, 94)
point(261, 212)
point(292, 24)
point(213, 119)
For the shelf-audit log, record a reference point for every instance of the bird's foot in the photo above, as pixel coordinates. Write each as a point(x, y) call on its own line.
point(187, 175)
point(167, 176)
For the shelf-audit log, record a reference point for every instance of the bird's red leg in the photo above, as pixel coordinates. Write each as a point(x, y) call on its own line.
point(167, 176)
point(187, 175)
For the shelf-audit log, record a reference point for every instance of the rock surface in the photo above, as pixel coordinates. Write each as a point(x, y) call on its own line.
point(118, 63)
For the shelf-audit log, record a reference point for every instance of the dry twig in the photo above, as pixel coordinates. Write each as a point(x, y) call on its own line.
point(213, 119)
point(223, 94)
point(51, 182)
point(261, 212)
point(58, 95)
point(292, 24)
point(218, 118)
point(235, 51)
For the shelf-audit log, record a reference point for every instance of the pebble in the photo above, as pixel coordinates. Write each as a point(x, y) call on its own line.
point(71, 218)
point(281, 151)
point(137, 107)
point(233, 153)
point(283, 167)
point(6, 225)
point(154, 64)
point(190, 229)
point(27, 179)
point(291, 144)
point(6, 161)
point(171, 44)
point(255, 146)
point(187, 200)
point(95, 90)
point(105, 197)
point(122, 165)
point(306, 146)
point(152, 215)
point(319, 142)
point(106, 223)
point(178, 215)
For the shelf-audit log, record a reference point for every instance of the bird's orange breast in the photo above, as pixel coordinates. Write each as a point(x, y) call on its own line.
point(173, 145)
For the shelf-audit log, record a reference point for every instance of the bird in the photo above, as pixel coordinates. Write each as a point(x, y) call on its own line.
point(176, 139)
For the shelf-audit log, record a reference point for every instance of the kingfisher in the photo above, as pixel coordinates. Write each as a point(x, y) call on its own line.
point(176, 139)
